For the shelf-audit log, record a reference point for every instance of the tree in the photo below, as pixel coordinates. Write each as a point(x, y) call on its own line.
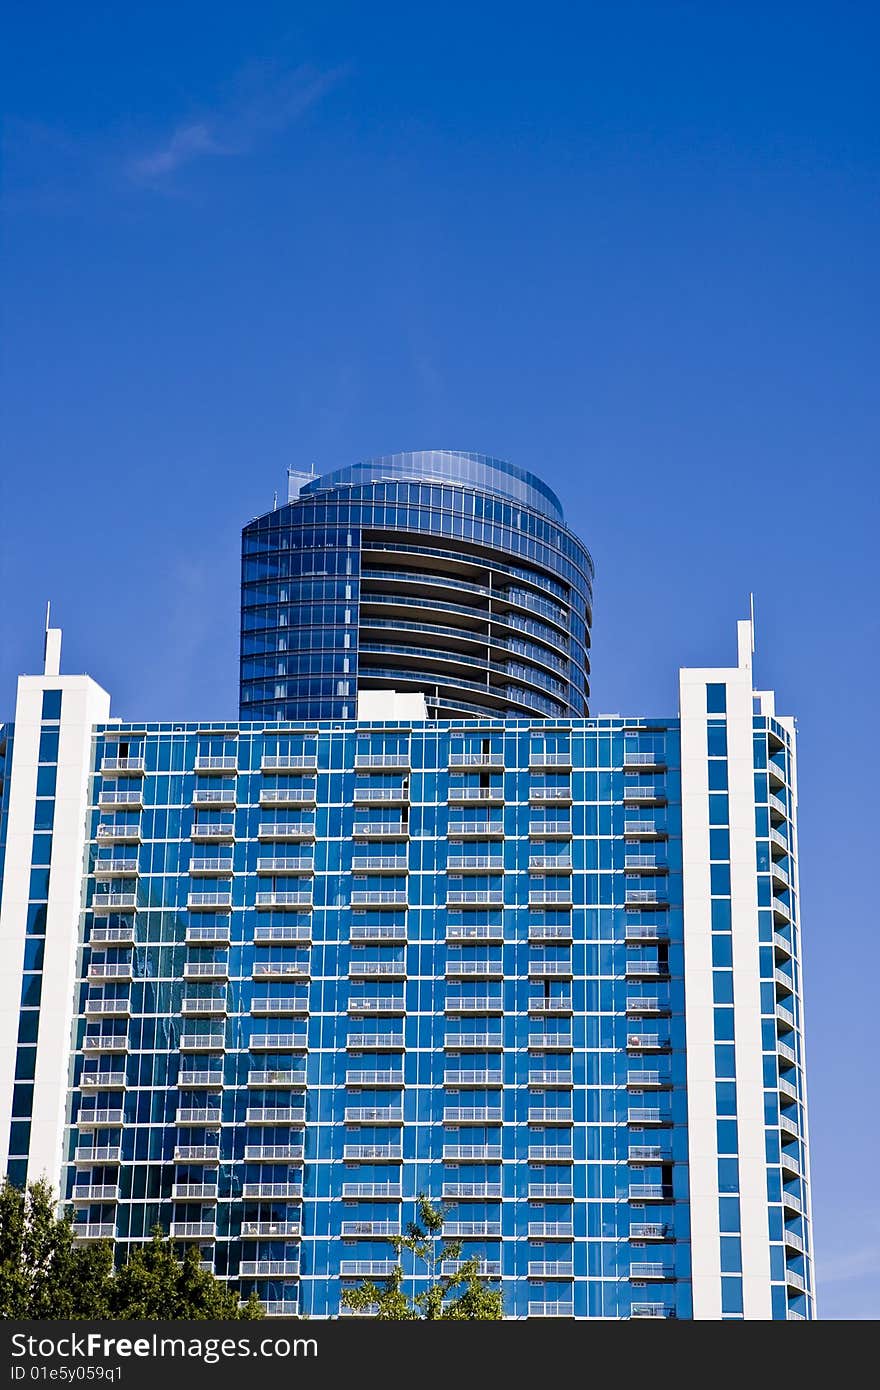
point(46, 1273)
point(156, 1283)
point(423, 1239)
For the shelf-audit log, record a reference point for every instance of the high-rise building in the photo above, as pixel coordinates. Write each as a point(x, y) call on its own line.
point(446, 573)
point(265, 982)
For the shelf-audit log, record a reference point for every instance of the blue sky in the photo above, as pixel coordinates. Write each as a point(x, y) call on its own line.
point(631, 247)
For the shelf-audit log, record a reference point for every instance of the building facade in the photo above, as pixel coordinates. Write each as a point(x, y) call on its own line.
point(447, 573)
point(266, 982)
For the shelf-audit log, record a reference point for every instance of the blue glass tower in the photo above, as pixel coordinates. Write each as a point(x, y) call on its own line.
point(447, 573)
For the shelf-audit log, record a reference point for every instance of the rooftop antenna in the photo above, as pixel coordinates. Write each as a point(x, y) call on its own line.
point(752, 619)
point(275, 500)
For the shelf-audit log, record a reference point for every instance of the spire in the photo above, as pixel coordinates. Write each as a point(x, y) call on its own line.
point(51, 646)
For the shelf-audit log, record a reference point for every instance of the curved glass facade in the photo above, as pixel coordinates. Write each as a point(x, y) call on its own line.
point(452, 574)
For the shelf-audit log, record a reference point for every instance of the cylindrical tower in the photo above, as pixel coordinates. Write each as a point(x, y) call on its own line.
point(448, 573)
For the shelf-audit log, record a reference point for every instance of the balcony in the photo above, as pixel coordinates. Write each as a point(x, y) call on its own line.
point(373, 1115)
point(369, 1230)
point(201, 867)
point(493, 761)
point(106, 1192)
point(198, 1117)
point(784, 983)
point(374, 1042)
point(103, 1230)
point(550, 1115)
point(100, 1119)
point(634, 930)
point(551, 1310)
point(117, 832)
point(102, 1081)
point(360, 932)
point(282, 831)
point(378, 1007)
point(90, 1154)
point(114, 970)
point(215, 935)
point(112, 936)
point(550, 1269)
point(293, 1116)
point(276, 1077)
point(105, 1042)
point(648, 1081)
point(475, 1006)
point(206, 831)
point(472, 1079)
point(388, 897)
point(550, 1191)
point(646, 1006)
point(466, 932)
point(468, 1230)
point(550, 863)
point(372, 1191)
point(372, 1153)
point(202, 1042)
point(476, 829)
point(551, 1230)
point(474, 969)
point(297, 932)
point(550, 931)
point(271, 1230)
point(289, 762)
point(795, 1281)
point(281, 970)
point(226, 763)
point(651, 1310)
point(550, 796)
point(108, 1008)
point(550, 1042)
point(288, 796)
point(273, 1191)
point(376, 969)
point(550, 897)
point(382, 762)
point(130, 800)
point(475, 863)
point(648, 1230)
point(471, 1153)
point(209, 902)
point(641, 898)
point(648, 1118)
point(649, 1192)
point(783, 949)
point(474, 898)
point(473, 1042)
point(115, 868)
point(647, 1042)
point(646, 970)
point(114, 902)
point(197, 1153)
point(471, 1191)
point(273, 1153)
point(268, 1269)
point(284, 901)
point(279, 1008)
point(550, 1153)
point(379, 864)
point(204, 1008)
point(551, 1080)
point(645, 864)
point(550, 1006)
point(482, 1115)
point(558, 762)
point(643, 794)
point(649, 1153)
point(486, 796)
point(122, 767)
point(643, 830)
point(193, 1230)
point(793, 1241)
point(214, 796)
point(366, 1269)
point(550, 970)
point(380, 830)
point(206, 970)
point(378, 1080)
point(200, 1080)
point(781, 912)
point(384, 796)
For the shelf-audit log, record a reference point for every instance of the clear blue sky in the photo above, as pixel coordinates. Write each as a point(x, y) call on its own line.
point(632, 247)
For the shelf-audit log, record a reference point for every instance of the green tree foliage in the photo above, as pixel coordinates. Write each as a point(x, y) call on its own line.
point(46, 1273)
point(462, 1294)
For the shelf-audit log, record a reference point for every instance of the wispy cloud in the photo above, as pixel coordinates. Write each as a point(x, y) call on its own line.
point(263, 102)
